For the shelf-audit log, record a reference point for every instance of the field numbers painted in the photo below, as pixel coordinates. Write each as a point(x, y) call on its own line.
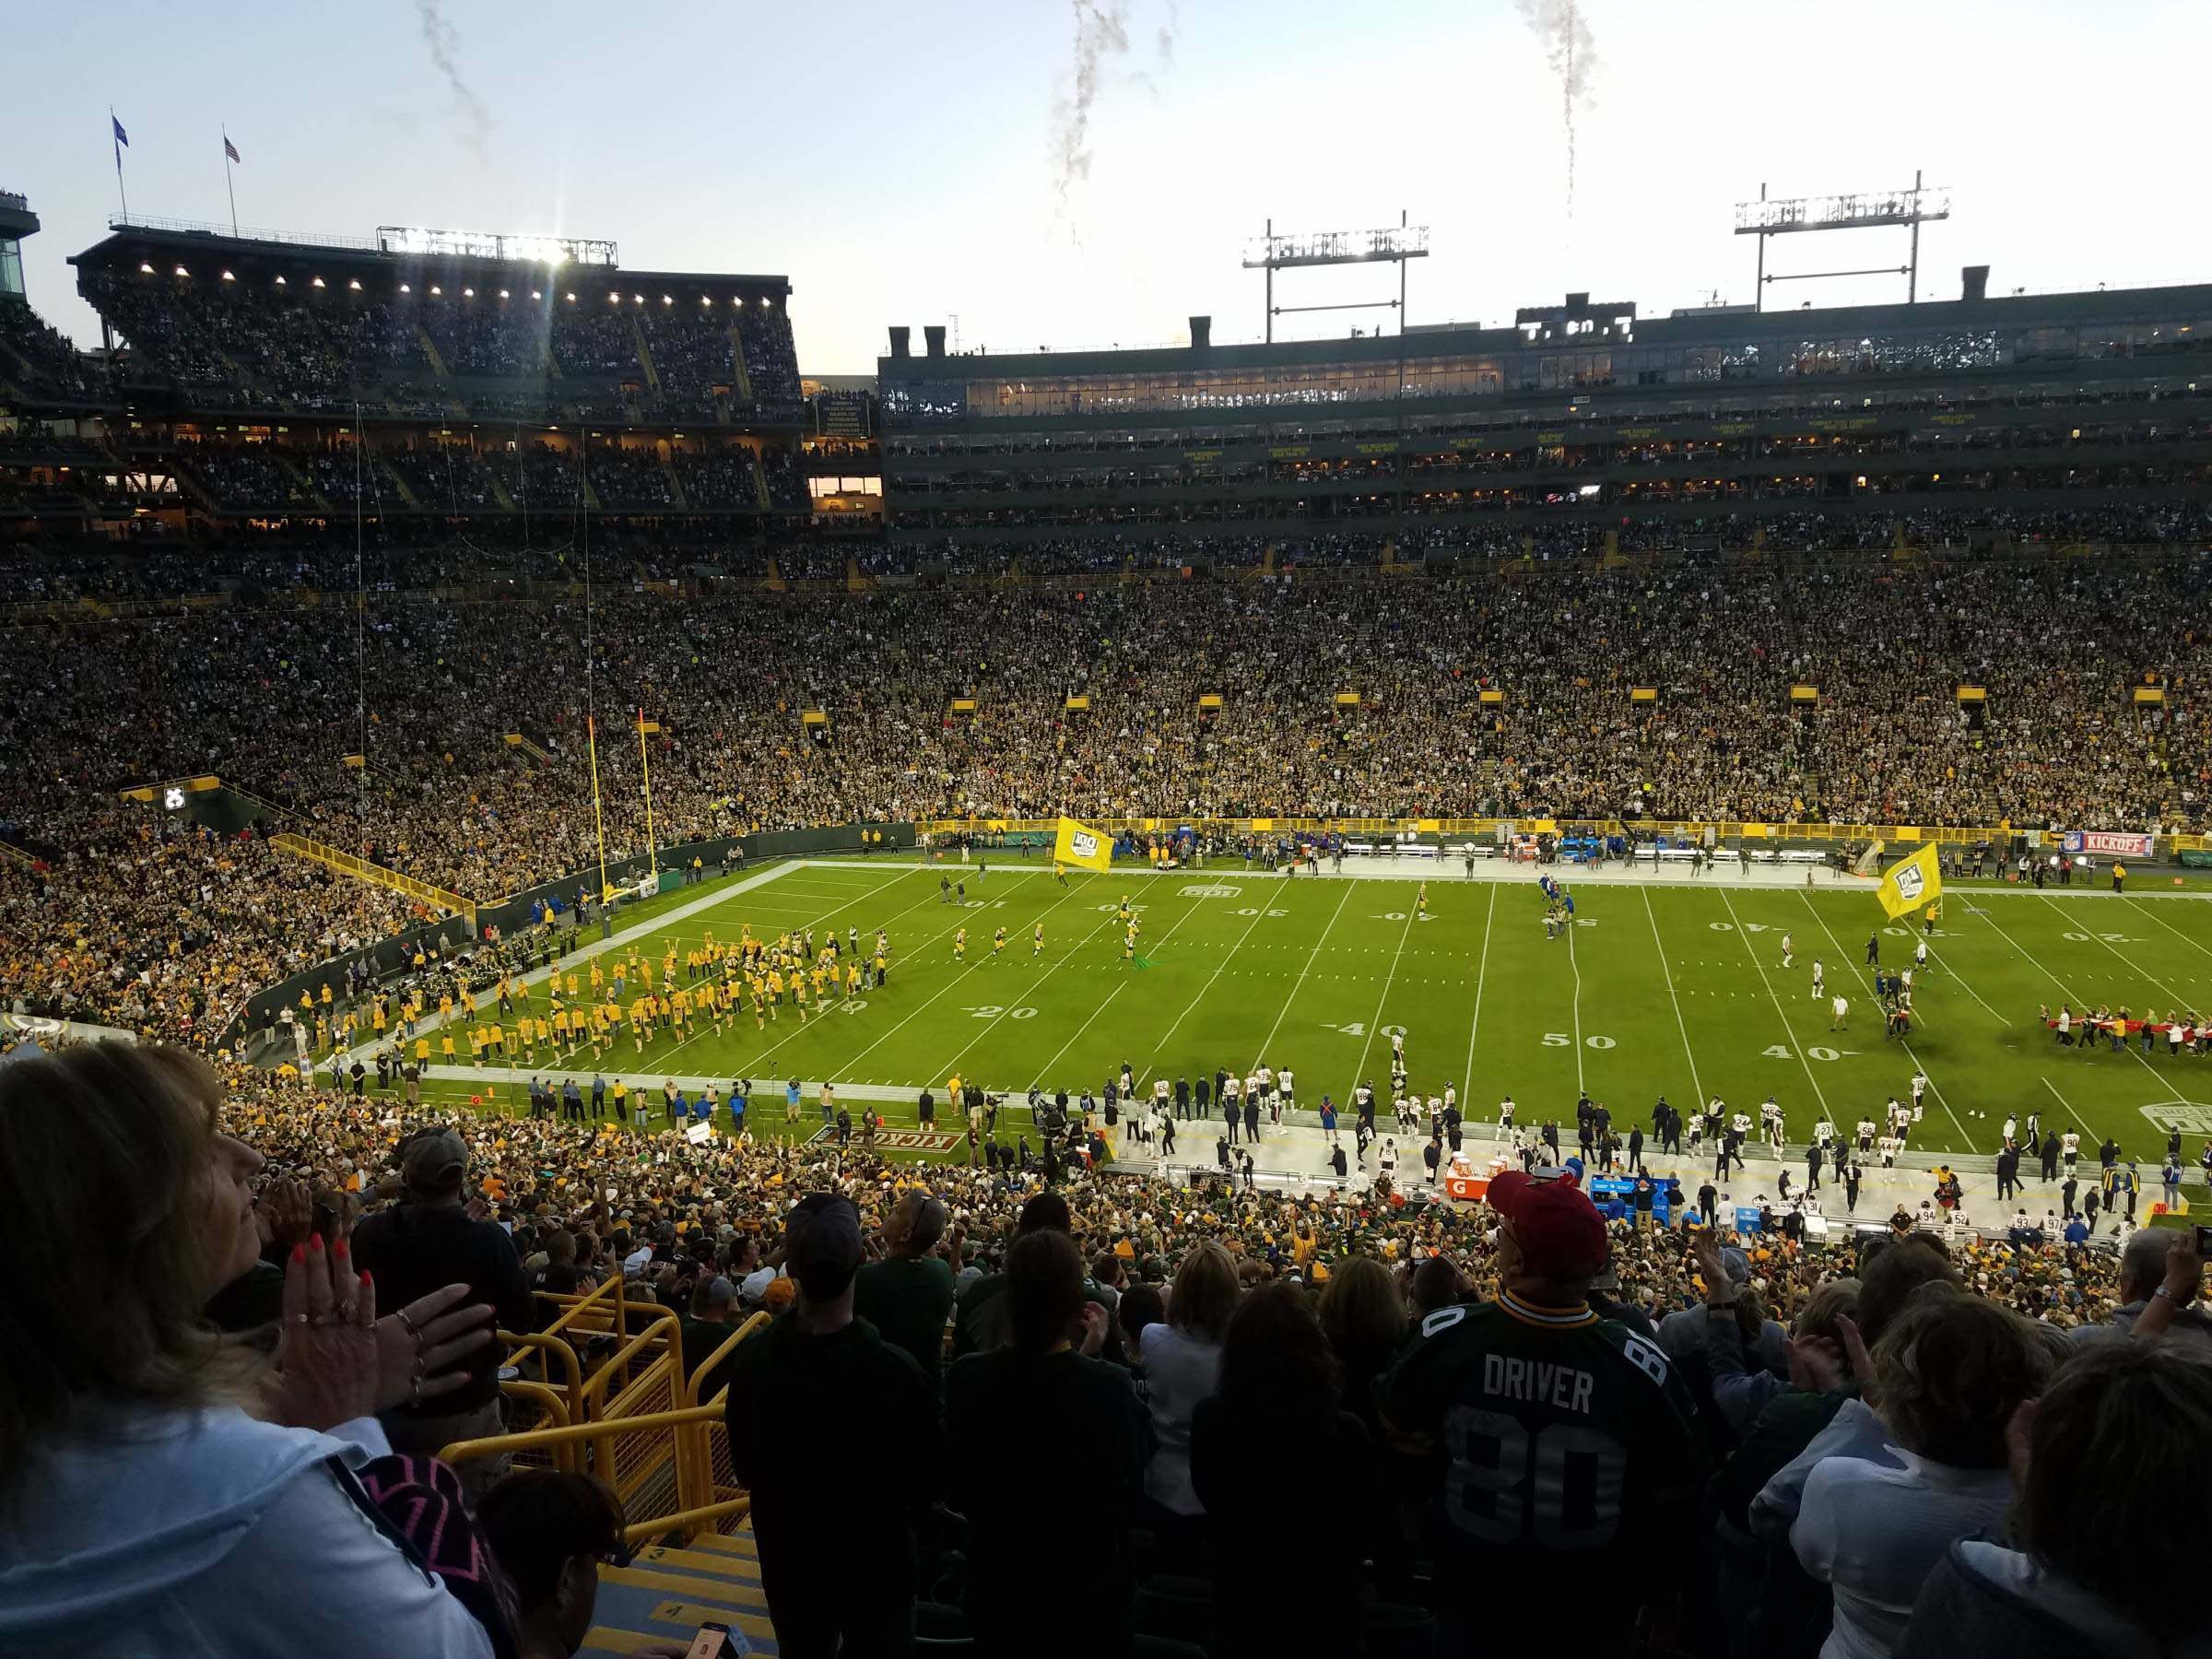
point(1561, 1040)
point(1730, 927)
point(1356, 1029)
point(1392, 1031)
point(852, 1005)
point(1107, 910)
point(1207, 892)
point(1252, 910)
point(1599, 1042)
point(993, 1010)
point(1775, 1051)
point(2084, 938)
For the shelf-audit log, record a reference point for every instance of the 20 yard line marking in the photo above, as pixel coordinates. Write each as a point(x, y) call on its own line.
point(1660, 944)
point(2151, 911)
point(1481, 973)
point(1374, 1024)
point(2035, 962)
point(1300, 986)
point(2101, 939)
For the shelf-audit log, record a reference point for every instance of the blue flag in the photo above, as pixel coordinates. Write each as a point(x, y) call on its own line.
point(121, 137)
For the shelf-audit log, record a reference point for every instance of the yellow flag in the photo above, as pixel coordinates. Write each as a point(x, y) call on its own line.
point(1080, 845)
point(1911, 882)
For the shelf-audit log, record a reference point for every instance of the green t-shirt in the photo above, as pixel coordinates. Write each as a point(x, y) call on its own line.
point(908, 1299)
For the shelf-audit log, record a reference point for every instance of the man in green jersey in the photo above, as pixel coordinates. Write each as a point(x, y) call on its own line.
point(1563, 1446)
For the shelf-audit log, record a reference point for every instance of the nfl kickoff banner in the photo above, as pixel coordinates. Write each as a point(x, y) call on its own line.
point(2113, 842)
point(1910, 883)
point(1080, 845)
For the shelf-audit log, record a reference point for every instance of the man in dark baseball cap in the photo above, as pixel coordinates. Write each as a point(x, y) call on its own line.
point(1569, 1451)
point(820, 1364)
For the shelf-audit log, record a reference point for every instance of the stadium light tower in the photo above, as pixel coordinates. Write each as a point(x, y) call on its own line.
point(1272, 253)
point(1912, 209)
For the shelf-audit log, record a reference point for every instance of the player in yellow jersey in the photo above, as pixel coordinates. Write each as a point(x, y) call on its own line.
point(1129, 944)
point(1420, 900)
point(445, 1046)
point(821, 977)
point(851, 982)
point(798, 994)
point(1125, 914)
point(1059, 872)
point(959, 945)
point(422, 1051)
point(598, 979)
point(998, 943)
point(883, 969)
point(1036, 942)
point(759, 1005)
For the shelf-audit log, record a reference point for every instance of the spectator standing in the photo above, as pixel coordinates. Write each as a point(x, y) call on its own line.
point(908, 1296)
point(1486, 1384)
point(1183, 1365)
point(851, 1500)
point(1050, 1445)
point(428, 1240)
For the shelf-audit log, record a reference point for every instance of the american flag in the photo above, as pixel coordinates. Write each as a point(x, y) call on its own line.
point(230, 149)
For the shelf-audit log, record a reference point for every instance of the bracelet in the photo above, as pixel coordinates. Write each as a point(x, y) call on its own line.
point(2164, 1291)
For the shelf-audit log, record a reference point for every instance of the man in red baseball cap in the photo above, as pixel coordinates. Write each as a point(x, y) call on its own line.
point(1563, 1446)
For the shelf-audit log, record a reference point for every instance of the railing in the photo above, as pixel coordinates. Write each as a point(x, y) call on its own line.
point(1725, 829)
point(346, 864)
point(677, 1439)
point(297, 238)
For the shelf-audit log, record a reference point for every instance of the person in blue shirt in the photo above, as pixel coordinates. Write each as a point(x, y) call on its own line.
point(2078, 1232)
point(598, 1095)
point(739, 1090)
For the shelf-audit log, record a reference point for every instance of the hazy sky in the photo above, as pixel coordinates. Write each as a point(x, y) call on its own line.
point(897, 161)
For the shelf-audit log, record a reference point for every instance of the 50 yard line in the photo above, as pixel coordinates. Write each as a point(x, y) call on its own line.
point(1658, 944)
point(1481, 972)
point(1735, 926)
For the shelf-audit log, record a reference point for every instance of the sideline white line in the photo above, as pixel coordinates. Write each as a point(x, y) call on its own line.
point(1311, 956)
point(1482, 972)
point(1660, 944)
point(2071, 1112)
point(1375, 1024)
point(1737, 927)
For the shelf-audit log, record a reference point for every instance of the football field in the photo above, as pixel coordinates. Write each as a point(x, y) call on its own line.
point(1665, 987)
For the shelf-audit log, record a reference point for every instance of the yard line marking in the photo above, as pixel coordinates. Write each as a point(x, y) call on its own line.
point(994, 1025)
point(804, 1025)
point(1745, 940)
point(2037, 963)
point(2152, 912)
point(1860, 969)
point(1575, 1008)
point(1481, 973)
point(1660, 944)
point(1042, 1071)
point(1373, 1024)
point(1295, 989)
point(969, 967)
point(1204, 988)
point(2070, 1111)
point(2131, 963)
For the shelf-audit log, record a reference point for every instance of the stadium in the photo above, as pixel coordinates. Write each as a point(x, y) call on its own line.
point(1011, 937)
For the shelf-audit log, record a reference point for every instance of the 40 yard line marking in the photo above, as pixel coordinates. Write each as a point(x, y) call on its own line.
point(1736, 926)
point(1668, 973)
point(1860, 970)
point(1300, 984)
point(1482, 972)
point(1375, 1023)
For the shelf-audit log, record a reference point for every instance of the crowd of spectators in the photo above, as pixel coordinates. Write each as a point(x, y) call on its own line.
point(1741, 1449)
point(38, 362)
point(250, 480)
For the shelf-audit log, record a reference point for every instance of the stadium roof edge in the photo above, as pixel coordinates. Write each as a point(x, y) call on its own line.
point(1715, 323)
point(119, 245)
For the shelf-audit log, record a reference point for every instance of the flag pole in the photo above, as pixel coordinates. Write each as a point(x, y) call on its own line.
point(228, 183)
point(115, 137)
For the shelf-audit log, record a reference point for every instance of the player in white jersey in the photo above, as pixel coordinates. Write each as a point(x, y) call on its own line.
point(1819, 988)
point(1865, 1136)
point(1920, 1088)
point(1920, 954)
point(2069, 1149)
point(1789, 949)
point(1505, 1113)
point(1841, 1005)
point(1398, 1046)
point(1769, 1121)
point(1390, 1156)
point(2012, 1126)
point(1451, 1097)
point(1890, 1145)
point(1824, 1132)
point(1289, 1089)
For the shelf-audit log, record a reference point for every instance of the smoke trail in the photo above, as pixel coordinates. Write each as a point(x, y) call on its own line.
point(1101, 33)
point(445, 47)
point(1573, 58)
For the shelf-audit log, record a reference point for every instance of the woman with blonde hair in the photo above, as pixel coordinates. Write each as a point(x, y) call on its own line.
point(166, 1489)
point(1182, 1363)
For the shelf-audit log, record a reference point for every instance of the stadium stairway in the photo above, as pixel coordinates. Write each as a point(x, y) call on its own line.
point(761, 485)
point(653, 375)
point(431, 353)
point(665, 1593)
point(740, 381)
point(676, 484)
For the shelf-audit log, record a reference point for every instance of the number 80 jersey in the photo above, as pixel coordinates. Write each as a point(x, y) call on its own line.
point(1566, 1445)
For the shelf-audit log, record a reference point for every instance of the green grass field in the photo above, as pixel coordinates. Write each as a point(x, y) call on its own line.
point(1660, 988)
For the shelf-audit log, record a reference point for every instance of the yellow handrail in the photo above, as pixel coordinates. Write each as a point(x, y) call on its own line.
point(518, 1343)
point(721, 1352)
point(376, 874)
point(687, 1426)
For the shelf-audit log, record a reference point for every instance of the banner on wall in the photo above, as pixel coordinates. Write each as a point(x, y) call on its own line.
point(2113, 844)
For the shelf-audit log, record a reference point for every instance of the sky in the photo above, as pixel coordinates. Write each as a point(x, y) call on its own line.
point(907, 164)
